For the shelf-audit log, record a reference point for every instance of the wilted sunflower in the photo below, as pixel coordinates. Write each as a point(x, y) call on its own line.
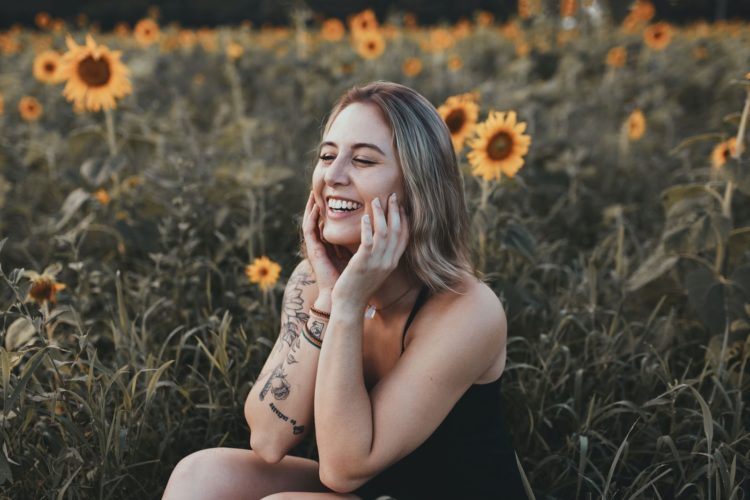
point(264, 272)
point(30, 108)
point(499, 146)
point(636, 125)
point(95, 76)
point(146, 32)
point(412, 66)
point(44, 286)
point(617, 56)
point(658, 35)
point(370, 45)
point(46, 66)
point(460, 115)
point(332, 30)
point(723, 151)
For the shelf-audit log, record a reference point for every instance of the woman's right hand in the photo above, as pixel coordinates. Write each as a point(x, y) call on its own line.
point(323, 258)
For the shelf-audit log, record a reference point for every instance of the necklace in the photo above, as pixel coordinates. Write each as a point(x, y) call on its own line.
point(371, 309)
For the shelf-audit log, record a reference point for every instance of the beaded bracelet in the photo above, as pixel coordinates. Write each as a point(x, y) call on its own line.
point(320, 313)
point(310, 338)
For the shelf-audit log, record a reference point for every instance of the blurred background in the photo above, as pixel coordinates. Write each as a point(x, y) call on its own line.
point(196, 13)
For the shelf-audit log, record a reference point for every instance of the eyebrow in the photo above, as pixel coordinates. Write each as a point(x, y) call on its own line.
point(354, 146)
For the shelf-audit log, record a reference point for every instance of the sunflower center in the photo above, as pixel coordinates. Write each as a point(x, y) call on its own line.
point(455, 120)
point(263, 271)
point(49, 67)
point(371, 45)
point(41, 290)
point(500, 146)
point(94, 72)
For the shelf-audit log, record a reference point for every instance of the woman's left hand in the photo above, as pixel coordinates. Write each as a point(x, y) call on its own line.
point(378, 254)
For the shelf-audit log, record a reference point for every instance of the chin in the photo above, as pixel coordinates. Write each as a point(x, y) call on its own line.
point(343, 238)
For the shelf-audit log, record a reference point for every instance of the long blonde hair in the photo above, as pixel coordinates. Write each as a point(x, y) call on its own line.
point(438, 249)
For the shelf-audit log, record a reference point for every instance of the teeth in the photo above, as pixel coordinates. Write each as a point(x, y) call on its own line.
point(343, 205)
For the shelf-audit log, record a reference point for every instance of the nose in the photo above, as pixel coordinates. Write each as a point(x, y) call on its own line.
point(337, 172)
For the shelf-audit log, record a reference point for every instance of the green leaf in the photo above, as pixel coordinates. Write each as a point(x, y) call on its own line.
point(521, 240)
point(706, 296)
point(681, 192)
point(739, 243)
point(655, 266)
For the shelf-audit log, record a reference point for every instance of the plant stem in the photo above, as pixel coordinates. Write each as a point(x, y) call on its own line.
point(110, 131)
point(727, 204)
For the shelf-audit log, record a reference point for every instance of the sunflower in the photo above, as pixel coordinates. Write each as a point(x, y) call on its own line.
point(658, 35)
point(102, 196)
point(370, 45)
point(642, 10)
point(263, 271)
point(636, 125)
point(412, 66)
point(439, 39)
point(410, 21)
point(146, 32)
point(122, 29)
point(46, 66)
point(455, 63)
point(723, 151)
point(332, 30)
point(42, 20)
point(30, 108)
point(95, 75)
point(568, 8)
point(9, 44)
point(485, 18)
point(499, 146)
point(234, 50)
point(363, 22)
point(525, 9)
point(460, 115)
point(617, 56)
point(44, 286)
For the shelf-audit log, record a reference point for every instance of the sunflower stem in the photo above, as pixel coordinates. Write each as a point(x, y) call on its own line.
point(727, 204)
point(110, 120)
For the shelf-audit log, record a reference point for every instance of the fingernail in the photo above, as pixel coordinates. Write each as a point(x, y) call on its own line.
point(376, 202)
point(393, 196)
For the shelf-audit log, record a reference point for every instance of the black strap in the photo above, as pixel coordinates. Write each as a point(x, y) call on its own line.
point(421, 299)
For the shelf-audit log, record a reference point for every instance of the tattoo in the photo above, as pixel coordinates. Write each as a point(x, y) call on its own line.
point(290, 356)
point(277, 384)
point(317, 330)
point(292, 308)
point(296, 429)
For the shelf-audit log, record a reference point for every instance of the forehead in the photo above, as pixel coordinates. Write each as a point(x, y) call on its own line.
point(358, 123)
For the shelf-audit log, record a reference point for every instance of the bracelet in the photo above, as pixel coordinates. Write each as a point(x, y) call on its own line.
point(320, 313)
point(317, 343)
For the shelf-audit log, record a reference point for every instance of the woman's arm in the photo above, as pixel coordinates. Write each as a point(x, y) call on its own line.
point(279, 407)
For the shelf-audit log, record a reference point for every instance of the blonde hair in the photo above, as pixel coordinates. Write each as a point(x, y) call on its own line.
point(438, 250)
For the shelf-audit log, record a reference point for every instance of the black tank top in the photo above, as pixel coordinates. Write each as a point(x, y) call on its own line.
point(469, 456)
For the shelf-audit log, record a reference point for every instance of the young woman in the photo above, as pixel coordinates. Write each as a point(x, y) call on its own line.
point(391, 346)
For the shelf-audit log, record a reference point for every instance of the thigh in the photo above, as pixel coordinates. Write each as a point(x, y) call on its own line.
point(232, 473)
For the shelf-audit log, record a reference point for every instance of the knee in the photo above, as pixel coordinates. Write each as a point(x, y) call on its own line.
point(191, 471)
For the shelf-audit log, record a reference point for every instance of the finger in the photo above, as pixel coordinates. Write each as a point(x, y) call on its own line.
point(367, 237)
point(394, 226)
point(380, 227)
point(308, 207)
point(403, 237)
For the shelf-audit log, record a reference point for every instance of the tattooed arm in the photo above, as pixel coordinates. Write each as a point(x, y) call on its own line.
point(279, 407)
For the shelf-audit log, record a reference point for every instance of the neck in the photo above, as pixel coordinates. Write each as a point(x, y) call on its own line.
point(397, 284)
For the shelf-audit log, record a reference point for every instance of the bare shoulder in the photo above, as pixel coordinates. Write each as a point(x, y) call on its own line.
point(475, 310)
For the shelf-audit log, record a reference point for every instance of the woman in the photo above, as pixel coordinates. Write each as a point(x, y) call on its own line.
point(389, 343)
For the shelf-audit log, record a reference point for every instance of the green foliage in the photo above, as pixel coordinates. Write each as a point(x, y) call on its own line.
point(628, 332)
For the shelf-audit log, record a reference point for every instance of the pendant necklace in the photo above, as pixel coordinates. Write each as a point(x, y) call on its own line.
point(371, 309)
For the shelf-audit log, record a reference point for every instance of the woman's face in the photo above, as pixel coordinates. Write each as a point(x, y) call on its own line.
point(357, 163)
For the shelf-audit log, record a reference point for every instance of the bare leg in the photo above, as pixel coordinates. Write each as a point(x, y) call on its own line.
point(233, 473)
point(296, 495)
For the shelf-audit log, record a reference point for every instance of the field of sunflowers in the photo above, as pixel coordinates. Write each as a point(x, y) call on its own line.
point(152, 179)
